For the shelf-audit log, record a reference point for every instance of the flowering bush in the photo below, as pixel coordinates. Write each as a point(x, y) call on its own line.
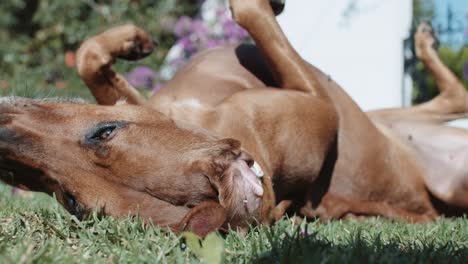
point(212, 27)
point(39, 38)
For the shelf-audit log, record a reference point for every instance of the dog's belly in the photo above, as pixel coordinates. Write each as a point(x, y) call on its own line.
point(442, 152)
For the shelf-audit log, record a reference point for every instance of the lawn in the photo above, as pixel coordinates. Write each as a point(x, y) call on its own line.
point(37, 230)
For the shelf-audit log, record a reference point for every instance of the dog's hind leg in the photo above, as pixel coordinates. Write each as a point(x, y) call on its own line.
point(289, 69)
point(450, 104)
point(96, 56)
point(440, 148)
point(453, 97)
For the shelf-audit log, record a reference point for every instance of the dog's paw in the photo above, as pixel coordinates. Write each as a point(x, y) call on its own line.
point(424, 42)
point(127, 42)
point(245, 11)
point(136, 44)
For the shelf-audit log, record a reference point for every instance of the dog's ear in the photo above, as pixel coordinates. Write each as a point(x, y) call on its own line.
point(203, 219)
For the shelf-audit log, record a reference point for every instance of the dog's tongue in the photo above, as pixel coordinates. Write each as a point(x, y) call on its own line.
point(251, 178)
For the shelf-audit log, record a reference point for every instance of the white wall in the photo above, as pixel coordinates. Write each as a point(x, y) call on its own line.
point(363, 52)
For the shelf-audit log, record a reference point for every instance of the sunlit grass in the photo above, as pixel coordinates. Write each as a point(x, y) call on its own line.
point(36, 229)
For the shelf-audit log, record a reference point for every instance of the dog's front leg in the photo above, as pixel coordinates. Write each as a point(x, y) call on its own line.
point(96, 56)
point(290, 70)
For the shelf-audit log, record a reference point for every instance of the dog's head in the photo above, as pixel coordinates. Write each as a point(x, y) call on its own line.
point(125, 160)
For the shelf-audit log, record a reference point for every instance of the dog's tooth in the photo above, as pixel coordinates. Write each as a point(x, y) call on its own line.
point(257, 170)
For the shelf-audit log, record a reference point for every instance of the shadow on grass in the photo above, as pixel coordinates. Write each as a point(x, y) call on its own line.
point(314, 248)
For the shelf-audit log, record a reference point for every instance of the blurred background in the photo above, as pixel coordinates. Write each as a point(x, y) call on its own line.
point(365, 45)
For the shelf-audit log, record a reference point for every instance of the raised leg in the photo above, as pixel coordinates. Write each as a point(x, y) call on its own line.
point(290, 70)
point(96, 56)
point(450, 104)
point(453, 97)
point(422, 127)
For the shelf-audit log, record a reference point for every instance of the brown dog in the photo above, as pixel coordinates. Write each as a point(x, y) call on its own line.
point(182, 157)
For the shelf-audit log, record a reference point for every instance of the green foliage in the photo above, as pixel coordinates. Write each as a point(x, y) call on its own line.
point(423, 10)
point(37, 33)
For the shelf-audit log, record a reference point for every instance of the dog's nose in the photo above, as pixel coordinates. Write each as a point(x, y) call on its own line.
point(4, 119)
point(7, 135)
point(9, 107)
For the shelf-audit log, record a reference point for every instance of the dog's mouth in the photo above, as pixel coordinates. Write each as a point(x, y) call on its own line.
point(21, 175)
point(240, 188)
point(26, 177)
point(251, 175)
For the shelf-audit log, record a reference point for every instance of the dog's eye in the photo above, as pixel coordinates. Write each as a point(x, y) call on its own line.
point(103, 132)
point(70, 201)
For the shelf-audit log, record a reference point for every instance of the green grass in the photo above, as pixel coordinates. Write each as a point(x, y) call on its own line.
point(35, 82)
point(38, 230)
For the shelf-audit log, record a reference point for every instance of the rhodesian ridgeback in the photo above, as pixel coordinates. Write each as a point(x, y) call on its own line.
point(241, 134)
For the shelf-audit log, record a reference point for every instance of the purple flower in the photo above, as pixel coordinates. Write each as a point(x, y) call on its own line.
point(182, 26)
point(141, 77)
point(229, 28)
point(187, 44)
point(198, 27)
point(195, 35)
